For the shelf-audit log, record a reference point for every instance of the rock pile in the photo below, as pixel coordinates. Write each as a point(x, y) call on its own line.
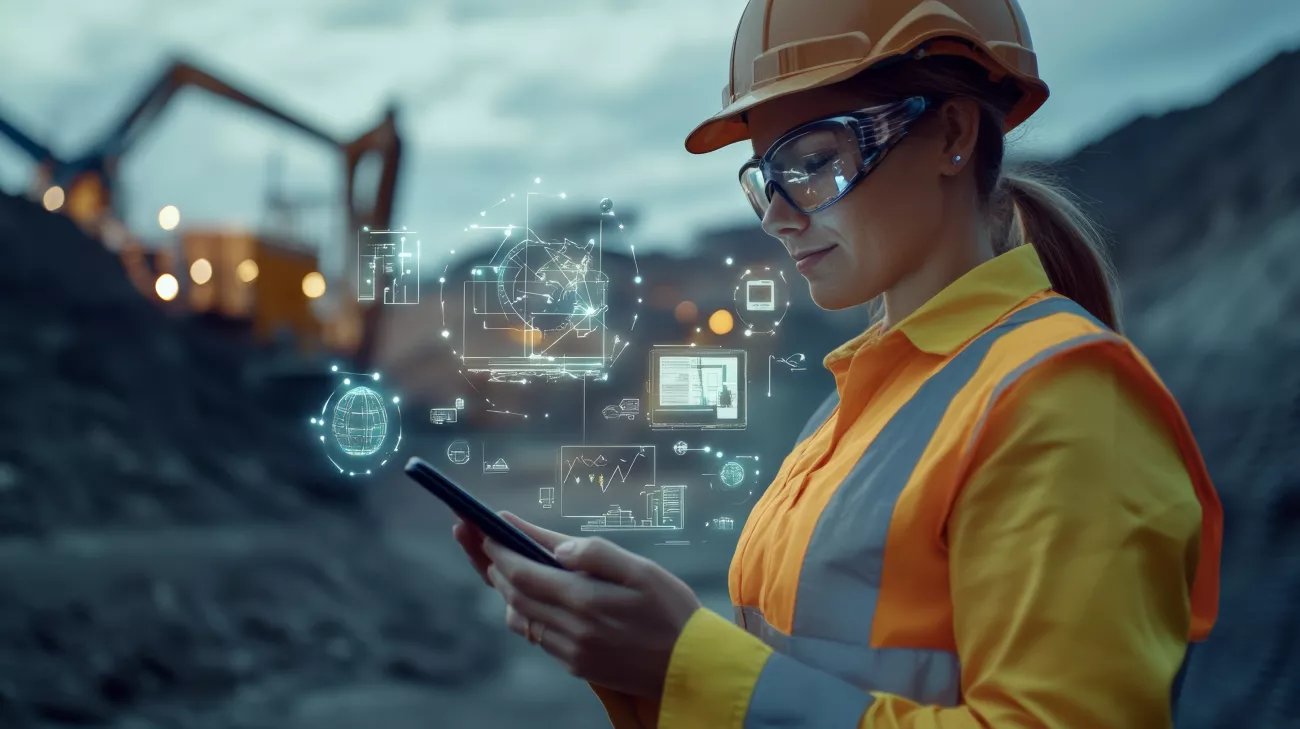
point(173, 551)
point(1204, 207)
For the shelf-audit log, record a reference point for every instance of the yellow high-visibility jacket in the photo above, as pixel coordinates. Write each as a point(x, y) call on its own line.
point(1001, 519)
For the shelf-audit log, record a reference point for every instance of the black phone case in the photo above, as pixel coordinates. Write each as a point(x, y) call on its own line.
point(475, 512)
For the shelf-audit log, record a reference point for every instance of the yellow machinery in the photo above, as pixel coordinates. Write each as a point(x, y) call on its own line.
point(279, 295)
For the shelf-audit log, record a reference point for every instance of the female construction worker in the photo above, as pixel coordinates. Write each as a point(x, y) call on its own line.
point(1000, 519)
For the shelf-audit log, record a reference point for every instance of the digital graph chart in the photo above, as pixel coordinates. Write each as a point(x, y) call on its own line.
point(613, 488)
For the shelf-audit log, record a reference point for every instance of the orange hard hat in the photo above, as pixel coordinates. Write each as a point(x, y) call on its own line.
point(786, 46)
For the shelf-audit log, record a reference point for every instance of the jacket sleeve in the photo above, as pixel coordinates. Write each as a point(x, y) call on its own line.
point(1073, 546)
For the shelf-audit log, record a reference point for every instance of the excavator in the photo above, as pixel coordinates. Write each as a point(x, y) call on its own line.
point(86, 193)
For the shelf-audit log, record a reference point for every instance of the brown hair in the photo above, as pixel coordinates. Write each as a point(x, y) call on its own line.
point(1024, 204)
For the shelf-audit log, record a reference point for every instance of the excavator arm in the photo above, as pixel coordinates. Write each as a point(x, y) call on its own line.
point(373, 208)
point(177, 77)
point(32, 148)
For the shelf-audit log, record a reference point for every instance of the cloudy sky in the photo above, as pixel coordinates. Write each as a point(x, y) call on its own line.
point(596, 95)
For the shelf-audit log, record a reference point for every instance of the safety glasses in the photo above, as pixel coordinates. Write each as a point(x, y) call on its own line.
point(816, 164)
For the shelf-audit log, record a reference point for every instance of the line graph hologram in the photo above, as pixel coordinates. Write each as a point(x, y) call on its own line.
point(592, 478)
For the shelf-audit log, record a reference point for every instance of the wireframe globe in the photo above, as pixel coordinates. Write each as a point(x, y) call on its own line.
point(732, 475)
point(360, 422)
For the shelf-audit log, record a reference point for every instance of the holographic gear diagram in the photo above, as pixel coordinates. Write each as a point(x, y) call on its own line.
point(359, 427)
point(541, 306)
point(552, 287)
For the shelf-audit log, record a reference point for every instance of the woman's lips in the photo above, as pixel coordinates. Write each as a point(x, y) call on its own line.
point(807, 261)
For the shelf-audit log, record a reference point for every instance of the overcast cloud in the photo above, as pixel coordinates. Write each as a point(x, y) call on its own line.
point(594, 94)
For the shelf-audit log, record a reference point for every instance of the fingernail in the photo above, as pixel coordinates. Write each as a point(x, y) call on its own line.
point(564, 549)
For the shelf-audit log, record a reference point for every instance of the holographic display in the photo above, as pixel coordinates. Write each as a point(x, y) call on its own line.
point(359, 425)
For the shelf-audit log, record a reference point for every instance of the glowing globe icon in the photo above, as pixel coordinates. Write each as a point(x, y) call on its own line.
point(360, 422)
point(732, 474)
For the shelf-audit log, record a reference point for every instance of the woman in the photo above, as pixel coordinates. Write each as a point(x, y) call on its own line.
point(1000, 518)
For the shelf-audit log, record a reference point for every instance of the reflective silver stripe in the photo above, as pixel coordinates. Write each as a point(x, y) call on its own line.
point(839, 583)
point(823, 411)
point(910, 672)
point(1032, 362)
point(790, 694)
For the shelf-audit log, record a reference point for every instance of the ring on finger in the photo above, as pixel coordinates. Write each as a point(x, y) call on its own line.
point(537, 637)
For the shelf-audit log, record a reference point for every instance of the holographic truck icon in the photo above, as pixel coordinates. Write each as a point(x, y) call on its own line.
point(628, 407)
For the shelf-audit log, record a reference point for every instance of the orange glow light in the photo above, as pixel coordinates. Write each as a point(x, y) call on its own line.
point(247, 270)
point(313, 285)
point(721, 321)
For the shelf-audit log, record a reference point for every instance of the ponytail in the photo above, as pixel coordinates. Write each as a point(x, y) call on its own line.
point(1069, 244)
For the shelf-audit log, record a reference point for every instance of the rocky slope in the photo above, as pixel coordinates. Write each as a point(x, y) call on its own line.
point(1204, 208)
point(171, 552)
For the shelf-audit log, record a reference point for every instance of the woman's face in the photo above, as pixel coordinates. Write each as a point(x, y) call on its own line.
point(873, 237)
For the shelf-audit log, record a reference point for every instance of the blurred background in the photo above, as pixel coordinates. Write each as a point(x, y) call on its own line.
point(181, 184)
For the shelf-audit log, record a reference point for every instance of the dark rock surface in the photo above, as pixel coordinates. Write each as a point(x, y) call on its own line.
point(172, 551)
point(247, 634)
point(117, 414)
point(1204, 207)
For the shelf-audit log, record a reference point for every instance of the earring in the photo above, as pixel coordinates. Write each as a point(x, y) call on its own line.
point(956, 159)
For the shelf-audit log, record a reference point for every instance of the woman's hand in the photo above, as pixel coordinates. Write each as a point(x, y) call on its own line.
point(614, 621)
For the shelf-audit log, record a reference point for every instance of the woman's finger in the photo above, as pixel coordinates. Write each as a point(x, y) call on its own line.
point(544, 583)
point(546, 636)
point(471, 540)
point(527, 607)
point(568, 591)
point(604, 560)
point(544, 537)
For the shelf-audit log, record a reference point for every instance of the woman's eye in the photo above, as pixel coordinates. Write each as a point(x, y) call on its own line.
point(813, 164)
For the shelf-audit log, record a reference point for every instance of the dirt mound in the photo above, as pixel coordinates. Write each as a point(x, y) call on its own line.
point(173, 549)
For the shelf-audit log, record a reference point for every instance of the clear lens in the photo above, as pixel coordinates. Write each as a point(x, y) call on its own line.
point(818, 165)
point(814, 165)
point(755, 187)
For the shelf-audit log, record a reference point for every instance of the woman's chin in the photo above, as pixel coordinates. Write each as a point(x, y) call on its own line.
point(832, 297)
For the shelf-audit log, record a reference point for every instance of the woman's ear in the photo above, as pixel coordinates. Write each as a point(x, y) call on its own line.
point(959, 128)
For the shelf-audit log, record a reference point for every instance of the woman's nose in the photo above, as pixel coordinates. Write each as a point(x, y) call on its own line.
point(782, 219)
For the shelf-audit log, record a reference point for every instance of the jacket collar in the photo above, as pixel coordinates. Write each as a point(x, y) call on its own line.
point(963, 309)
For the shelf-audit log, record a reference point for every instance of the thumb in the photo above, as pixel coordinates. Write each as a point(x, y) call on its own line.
point(601, 559)
point(544, 537)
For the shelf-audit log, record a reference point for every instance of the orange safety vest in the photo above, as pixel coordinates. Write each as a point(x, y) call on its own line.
point(867, 599)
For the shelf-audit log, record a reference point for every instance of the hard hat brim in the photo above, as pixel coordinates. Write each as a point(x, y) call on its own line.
point(729, 126)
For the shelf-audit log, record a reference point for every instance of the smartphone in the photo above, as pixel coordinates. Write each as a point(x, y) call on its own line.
point(475, 512)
